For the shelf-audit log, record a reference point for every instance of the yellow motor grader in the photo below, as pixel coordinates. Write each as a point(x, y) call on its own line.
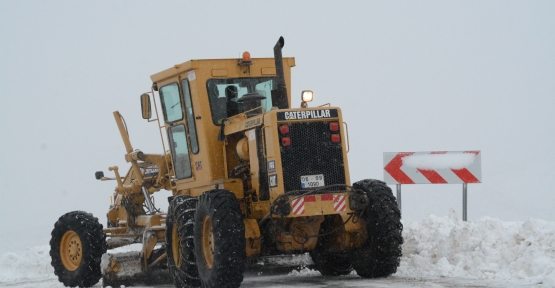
point(250, 177)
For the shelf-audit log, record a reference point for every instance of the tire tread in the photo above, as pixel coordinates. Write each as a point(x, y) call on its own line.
point(93, 241)
point(380, 255)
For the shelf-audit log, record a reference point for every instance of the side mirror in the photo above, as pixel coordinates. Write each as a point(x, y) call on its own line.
point(145, 106)
point(98, 175)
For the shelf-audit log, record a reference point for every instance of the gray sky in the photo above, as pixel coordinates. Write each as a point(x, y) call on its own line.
point(408, 76)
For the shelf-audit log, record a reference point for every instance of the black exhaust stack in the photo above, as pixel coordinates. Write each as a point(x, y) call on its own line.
point(279, 95)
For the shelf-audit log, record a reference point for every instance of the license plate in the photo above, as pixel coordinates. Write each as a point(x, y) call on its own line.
point(311, 181)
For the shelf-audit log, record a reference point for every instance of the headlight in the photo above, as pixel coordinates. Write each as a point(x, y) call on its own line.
point(307, 96)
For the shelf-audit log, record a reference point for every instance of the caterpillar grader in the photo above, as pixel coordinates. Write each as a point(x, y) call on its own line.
point(250, 177)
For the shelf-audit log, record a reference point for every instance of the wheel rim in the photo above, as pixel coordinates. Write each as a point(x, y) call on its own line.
point(71, 250)
point(207, 242)
point(175, 247)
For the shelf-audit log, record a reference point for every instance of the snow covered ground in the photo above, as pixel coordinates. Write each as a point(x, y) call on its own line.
point(438, 252)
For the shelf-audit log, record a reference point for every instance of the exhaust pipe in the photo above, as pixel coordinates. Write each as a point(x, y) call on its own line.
point(279, 95)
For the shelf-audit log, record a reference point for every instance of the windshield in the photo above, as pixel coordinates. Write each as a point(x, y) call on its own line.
point(224, 93)
point(171, 102)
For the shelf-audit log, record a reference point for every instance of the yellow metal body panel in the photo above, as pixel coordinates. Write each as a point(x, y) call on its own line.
point(297, 234)
point(252, 236)
point(350, 236)
point(149, 220)
point(259, 209)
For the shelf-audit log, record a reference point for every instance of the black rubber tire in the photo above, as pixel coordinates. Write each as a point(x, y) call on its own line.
point(331, 264)
point(380, 255)
point(229, 239)
point(181, 214)
point(93, 243)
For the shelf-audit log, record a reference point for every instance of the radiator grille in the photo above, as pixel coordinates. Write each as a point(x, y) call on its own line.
point(311, 153)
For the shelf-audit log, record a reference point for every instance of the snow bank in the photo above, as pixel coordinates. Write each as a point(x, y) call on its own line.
point(434, 247)
point(484, 249)
point(34, 263)
point(304, 271)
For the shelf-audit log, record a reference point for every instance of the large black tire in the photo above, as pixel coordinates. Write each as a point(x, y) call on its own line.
point(76, 247)
point(220, 251)
point(380, 255)
point(326, 262)
point(331, 264)
point(180, 243)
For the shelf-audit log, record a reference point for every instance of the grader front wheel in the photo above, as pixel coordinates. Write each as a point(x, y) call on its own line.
point(71, 250)
point(76, 247)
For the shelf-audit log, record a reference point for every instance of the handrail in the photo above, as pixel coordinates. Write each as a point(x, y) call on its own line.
point(347, 136)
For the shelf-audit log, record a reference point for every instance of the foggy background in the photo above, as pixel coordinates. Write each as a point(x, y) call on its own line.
point(408, 76)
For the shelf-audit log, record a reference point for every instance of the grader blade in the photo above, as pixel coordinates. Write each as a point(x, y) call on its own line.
point(278, 264)
point(126, 269)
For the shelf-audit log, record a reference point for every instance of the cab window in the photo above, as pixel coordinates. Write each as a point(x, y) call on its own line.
point(264, 88)
point(190, 115)
point(223, 94)
point(180, 152)
point(171, 103)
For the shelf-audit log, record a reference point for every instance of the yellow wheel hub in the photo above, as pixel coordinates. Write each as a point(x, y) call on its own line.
point(71, 250)
point(175, 246)
point(207, 242)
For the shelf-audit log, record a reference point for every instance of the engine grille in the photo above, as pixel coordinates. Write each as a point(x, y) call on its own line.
point(311, 153)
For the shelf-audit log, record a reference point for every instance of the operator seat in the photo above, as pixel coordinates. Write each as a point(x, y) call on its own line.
point(231, 94)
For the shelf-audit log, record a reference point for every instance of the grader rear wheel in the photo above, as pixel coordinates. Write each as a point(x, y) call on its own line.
point(380, 255)
point(175, 247)
point(76, 246)
point(220, 240)
point(179, 242)
point(207, 242)
point(331, 264)
point(326, 262)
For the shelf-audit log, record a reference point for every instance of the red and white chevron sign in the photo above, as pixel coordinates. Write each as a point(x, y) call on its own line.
point(438, 167)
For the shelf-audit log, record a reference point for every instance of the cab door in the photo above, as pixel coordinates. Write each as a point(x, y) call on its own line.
point(172, 107)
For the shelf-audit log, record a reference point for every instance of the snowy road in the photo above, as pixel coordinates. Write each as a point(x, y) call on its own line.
point(315, 280)
point(289, 281)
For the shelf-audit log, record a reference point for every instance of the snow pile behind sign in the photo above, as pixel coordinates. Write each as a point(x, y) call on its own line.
point(485, 249)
